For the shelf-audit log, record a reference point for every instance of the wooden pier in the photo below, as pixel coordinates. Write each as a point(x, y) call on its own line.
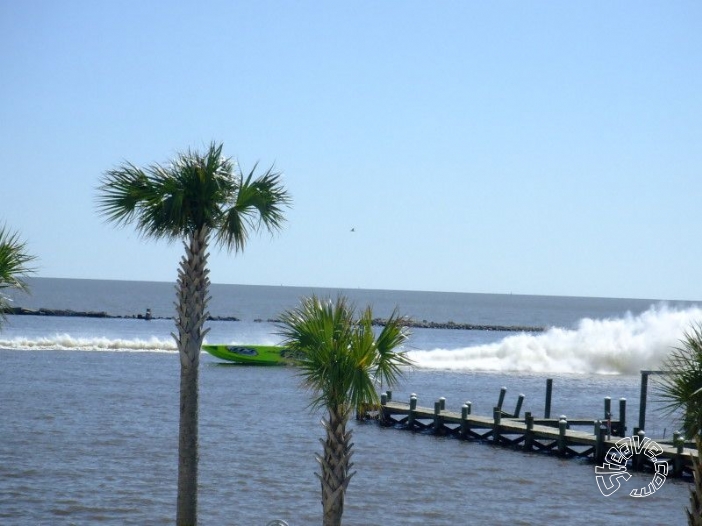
point(529, 433)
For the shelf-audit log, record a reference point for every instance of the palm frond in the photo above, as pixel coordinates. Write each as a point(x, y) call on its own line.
point(14, 260)
point(259, 203)
point(362, 358)
point(121, 192)
point(390, 361)
point(15, 265)
point(680, 389)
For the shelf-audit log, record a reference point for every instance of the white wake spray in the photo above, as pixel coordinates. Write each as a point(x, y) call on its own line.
point(67, 342)
point(610, 346)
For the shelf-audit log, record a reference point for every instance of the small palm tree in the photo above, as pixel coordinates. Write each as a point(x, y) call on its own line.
point(680, 387)
point(341, 359)
point(681, 390)
point(14, 266)
point(193, 199)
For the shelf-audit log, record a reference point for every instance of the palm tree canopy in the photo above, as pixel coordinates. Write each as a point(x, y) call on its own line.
point(341, 358)
point(193, 192)
point(681, 388)
point(392, 336)
point(14, 260)
point(14, 264)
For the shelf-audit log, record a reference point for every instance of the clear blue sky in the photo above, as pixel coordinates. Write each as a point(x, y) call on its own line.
point(529, 147)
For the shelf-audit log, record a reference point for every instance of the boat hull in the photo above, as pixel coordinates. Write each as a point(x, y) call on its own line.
point(252, 354)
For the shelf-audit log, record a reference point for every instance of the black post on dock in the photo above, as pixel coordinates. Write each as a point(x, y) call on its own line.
point(529, 435)
point(600, 431)
point(642, 399)
point(465, 411)
point(438, 421)
point(622, 417)
point(520, 401)
point(412, 410)
point(608, 415)
point(501, 400)
point(644, 392)
point(678, 462)
point(549, 389)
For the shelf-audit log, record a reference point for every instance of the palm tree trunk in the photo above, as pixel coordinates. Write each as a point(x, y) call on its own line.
point(335, 465)
point(192, 290)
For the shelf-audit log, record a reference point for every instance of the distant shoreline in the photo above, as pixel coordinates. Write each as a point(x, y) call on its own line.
point(424, 324)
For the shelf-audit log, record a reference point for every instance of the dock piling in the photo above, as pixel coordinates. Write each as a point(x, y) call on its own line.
point(549, 390)
point(529, 435)
point(608, 415)
point(465, 411)
point(382, 416)
point(438, 421)
point(642, 399)
point(678, 462)
point(607, 407)
point(562, 443)
point(637, 460)
point(622, 417)
point(501, 400)
point(600, 431)
point(412, 411)
point(517, 409)
point(497, 419)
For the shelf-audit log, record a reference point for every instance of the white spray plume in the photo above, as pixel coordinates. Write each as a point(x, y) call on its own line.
point(610, 346)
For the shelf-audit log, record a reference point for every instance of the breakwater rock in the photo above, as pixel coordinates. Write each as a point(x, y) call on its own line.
point(21, 311)
point(423, 324)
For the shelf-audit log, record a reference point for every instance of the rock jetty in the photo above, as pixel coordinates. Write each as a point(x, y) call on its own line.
point(423, 324)
point(21, 311)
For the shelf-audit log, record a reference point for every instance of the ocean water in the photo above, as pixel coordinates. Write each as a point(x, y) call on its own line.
point(89, 419)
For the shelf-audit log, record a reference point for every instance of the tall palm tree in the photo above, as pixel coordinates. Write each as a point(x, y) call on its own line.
point(341, 359)
point(681, 390)
point(195, 198)
point(14, 266)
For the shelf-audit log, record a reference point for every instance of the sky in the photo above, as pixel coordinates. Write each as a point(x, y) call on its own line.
point(541, 147)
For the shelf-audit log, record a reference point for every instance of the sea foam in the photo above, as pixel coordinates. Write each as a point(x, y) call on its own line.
point(609, 346)
point(67, 342)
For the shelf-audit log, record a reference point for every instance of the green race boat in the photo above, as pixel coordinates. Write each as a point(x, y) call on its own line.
point(252, 354)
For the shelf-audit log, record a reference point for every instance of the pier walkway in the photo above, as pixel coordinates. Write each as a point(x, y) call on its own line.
point(593, 440)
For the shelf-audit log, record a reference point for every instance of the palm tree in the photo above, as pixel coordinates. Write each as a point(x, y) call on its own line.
point(14, 261)
point(681, 390)
point(340, 360)
point(680, 386)
point(193, 199)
